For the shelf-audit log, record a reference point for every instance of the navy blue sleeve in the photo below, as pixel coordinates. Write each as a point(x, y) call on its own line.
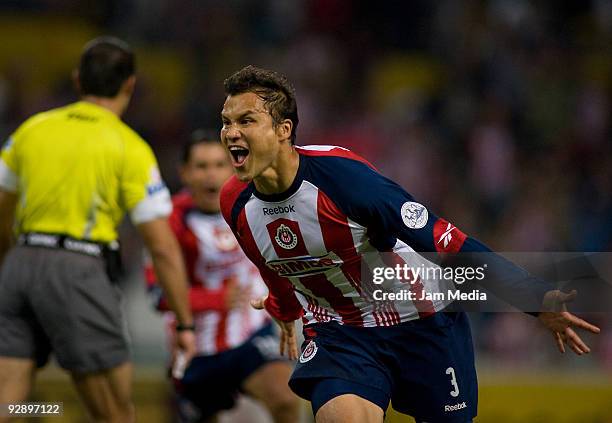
point(389, 212)
point(386, 209)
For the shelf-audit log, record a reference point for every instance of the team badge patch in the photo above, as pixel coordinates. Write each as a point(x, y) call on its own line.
point(414, 215)
point(309, 352)
point(285, 237)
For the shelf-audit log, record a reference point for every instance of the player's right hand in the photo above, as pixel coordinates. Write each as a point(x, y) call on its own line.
point(555, 317)
point(288, 339)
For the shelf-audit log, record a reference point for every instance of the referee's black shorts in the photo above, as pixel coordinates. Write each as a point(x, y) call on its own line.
point(60, 301)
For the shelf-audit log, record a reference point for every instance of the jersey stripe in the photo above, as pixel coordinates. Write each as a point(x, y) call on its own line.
point(336, 233)
point(280, 289)
point(371, 258)
point(425, 307)
point(309, 237)
point(220, 339)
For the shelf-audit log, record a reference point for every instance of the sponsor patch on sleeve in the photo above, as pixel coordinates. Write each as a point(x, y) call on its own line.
point(7, 144)
point(156, 183)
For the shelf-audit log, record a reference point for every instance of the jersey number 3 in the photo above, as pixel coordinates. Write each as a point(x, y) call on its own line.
point(455, 392)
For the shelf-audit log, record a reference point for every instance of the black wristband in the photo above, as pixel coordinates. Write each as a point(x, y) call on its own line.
point(181, 328)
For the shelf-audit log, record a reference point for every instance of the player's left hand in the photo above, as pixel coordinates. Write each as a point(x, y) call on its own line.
point(288, 339)
point(555, 317)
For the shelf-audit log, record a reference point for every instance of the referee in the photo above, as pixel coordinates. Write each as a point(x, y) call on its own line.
point(67, 177)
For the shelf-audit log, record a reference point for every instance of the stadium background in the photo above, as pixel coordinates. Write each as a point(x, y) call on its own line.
point(495, 113)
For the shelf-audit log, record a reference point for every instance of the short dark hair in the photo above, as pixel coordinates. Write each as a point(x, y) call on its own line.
point(199, 136)
point(272, 87)
point(105, 64)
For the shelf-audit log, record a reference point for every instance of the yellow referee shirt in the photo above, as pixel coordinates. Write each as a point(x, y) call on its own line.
point(77, 170)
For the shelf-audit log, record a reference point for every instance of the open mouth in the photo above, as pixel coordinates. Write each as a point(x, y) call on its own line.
point(239, 155)
point(210, 190)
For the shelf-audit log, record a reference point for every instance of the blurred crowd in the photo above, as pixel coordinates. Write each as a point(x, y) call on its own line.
point(497, 114)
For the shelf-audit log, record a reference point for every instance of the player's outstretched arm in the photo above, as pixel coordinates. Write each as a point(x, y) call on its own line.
point(288, 339)
point(561, 323)
point(391, 213)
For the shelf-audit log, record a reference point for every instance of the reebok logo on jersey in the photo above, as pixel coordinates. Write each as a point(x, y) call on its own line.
point(285, 237)
point(278, 210)
point(305, 266)
point(458, 406)
point(446, 236)
point(414, 215)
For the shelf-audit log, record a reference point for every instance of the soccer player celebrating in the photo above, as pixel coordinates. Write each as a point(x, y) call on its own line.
point(237, 347)
point(311, 218)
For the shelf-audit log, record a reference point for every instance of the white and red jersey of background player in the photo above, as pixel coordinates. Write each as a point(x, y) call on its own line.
point(213, 258)
point(340, 217)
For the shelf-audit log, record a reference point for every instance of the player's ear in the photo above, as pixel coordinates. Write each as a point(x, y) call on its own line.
point(284, 128)
point(128, 85)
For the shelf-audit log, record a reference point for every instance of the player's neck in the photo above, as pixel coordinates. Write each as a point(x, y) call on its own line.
point(117, 105)
point(281, 174)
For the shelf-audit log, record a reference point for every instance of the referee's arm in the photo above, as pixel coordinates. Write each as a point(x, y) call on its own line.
point(8, 203)
point(169, 266)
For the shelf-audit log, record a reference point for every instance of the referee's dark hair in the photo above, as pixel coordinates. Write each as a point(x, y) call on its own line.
point(199, 136)
point(105, 64)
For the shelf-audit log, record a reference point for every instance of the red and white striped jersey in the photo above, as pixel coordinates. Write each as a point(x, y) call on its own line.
point(312, 242)
point(316, 245)
point(213, 258)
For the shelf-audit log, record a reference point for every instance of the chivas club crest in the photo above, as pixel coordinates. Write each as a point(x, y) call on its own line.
point(309, 352)
point(285, 237)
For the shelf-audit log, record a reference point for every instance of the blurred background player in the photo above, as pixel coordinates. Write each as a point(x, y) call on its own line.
point(67, 177)
point(237, 349)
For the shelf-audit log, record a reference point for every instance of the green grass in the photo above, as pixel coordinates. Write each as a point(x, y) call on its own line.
point(524, 397)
